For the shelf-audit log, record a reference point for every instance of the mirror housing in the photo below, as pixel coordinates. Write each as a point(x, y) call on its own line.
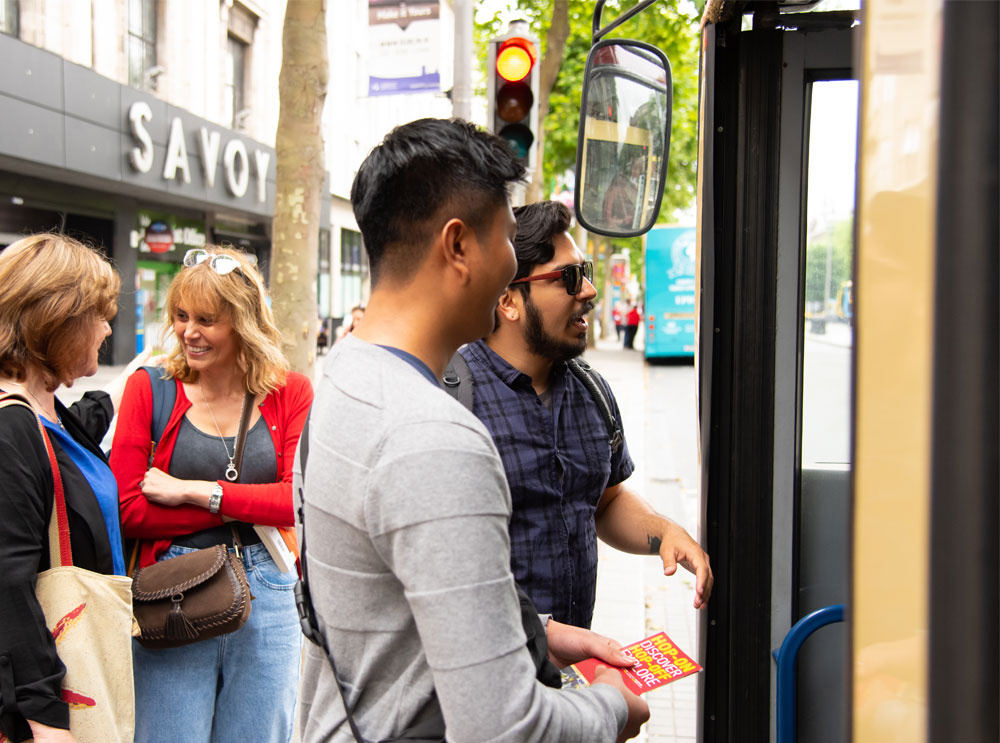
point(624, 139)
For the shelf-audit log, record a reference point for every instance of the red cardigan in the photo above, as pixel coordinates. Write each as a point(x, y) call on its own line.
point(284, 411)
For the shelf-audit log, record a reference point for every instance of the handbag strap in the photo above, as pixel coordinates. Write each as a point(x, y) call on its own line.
point(60, 549)
point(241, 435)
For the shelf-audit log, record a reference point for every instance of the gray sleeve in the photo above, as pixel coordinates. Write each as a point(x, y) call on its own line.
point(445, 539)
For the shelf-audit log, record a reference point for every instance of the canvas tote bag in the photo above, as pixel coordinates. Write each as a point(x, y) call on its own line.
point(90, 617)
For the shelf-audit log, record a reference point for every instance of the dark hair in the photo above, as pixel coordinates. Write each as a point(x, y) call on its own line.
point(420, 170)
point(537, 224)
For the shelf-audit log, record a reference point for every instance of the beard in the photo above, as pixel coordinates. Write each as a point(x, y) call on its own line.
point(548, 347)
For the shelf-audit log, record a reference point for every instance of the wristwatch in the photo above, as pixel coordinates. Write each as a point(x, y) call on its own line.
point(215, 500)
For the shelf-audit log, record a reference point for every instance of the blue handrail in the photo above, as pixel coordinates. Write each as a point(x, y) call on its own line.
point(785, 657)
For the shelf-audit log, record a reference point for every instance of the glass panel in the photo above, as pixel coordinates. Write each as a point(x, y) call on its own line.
point(828, 342)
point(8, 17)
point(141, 41)
point(236, 52)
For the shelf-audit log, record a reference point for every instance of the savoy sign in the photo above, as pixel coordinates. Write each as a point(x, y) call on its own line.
point(236, 162)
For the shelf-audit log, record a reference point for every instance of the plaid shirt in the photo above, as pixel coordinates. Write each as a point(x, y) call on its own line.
point(558, 463)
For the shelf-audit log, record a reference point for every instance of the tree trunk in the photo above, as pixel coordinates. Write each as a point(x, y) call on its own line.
point(300, 163)
point(555, 44)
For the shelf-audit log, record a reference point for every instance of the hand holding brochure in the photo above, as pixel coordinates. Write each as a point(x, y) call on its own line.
point(658, 661)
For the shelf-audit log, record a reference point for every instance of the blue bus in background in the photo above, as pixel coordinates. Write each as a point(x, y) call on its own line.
point(670, 310)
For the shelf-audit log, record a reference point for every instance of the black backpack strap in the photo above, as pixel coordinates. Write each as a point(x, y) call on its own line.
point(164, 396)
point(303, 598)
point(586, 374)
point(458, 380)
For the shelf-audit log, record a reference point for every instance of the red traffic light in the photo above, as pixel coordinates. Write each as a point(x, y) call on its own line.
point(515, 58)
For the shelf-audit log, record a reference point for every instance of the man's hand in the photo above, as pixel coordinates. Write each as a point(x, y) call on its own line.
point(569, 644)
point(638, 710)
point(627, 522)
point(676, 547)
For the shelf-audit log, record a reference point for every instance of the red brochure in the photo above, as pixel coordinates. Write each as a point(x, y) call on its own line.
point(658, 661)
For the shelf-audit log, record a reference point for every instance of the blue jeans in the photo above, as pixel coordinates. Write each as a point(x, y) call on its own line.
point(232, 688)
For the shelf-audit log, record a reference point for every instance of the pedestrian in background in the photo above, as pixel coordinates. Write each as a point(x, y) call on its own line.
point(57, 298)
point(239, 686)
point(351, 322)
point(632, 320)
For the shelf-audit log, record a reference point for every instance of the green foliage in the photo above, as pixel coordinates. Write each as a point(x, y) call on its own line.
point(671, 25)
point(838, 243)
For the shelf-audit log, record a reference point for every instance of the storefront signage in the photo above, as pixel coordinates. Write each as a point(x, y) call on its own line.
point(159, 237)
point(236, 161)
point(166, 234)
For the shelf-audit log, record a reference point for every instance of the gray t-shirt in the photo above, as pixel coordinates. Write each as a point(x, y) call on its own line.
point(406, 506)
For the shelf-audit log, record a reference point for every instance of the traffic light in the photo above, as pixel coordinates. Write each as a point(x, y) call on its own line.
point(513, 91)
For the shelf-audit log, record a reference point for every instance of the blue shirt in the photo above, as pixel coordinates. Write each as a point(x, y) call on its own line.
point(101, 481)
point(558, 462)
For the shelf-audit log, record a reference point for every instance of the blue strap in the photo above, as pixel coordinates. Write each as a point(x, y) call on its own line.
point(164, 396)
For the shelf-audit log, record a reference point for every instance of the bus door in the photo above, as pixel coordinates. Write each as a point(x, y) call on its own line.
point(776, 203)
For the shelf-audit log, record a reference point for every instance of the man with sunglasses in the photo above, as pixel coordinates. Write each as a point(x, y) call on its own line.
point(567, 481)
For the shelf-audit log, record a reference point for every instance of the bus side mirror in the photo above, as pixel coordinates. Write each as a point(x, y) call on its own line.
point(624, 141)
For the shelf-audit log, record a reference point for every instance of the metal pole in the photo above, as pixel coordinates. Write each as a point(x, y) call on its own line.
point(461, 93)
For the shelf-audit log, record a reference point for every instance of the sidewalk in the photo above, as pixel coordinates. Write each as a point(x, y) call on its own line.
point(634, 598)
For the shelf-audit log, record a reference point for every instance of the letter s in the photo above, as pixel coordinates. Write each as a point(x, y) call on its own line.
point(141, 157)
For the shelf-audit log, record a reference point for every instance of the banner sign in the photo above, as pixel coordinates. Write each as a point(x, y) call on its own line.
point(404, 40)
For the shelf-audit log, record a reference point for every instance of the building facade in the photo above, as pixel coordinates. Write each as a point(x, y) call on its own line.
point(145, 128)
point(357, 115)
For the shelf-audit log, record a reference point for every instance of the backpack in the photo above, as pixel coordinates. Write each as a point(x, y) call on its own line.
point(459, 384)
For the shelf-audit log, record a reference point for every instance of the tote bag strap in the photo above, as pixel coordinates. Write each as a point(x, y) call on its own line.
point(60, 550)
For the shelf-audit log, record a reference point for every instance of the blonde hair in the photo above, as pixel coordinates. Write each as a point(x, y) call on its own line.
point(52, 289)
point(239, 295)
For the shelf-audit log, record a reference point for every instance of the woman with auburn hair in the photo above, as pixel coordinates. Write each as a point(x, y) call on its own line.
point(57, 298)
point(184, 493)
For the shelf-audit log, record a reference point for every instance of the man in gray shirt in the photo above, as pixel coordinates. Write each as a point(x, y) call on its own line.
point(406, 503)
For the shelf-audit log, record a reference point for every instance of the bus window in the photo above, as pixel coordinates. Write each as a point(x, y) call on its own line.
point(828, 335)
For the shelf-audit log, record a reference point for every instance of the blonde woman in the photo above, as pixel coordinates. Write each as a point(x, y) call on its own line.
point(239, 686)
point(57, 297)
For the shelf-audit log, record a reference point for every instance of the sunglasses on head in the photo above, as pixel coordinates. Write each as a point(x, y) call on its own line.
point(221, 263)
point(572, 276)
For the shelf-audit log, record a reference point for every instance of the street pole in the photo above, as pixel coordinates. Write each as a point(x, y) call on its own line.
point(461, 92)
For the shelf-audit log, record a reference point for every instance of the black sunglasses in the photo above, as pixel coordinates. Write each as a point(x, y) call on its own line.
point(572, 276)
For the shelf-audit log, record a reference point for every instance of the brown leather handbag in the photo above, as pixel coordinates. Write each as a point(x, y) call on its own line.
point(190, 598)
point(196, 596)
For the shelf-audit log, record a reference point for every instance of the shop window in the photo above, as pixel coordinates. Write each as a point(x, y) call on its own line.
point(323, 274)
point(9, 17)
point(241, 25)
point(353, 270)
point(235, 110)
point(142, 68)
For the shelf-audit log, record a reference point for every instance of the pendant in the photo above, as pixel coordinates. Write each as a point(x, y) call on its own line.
point(231, 472)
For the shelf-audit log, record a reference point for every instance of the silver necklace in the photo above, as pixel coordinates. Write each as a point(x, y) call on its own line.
point(231, 472)
point(55, 416)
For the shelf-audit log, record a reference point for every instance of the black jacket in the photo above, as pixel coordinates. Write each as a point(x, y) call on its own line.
point(30, 670)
